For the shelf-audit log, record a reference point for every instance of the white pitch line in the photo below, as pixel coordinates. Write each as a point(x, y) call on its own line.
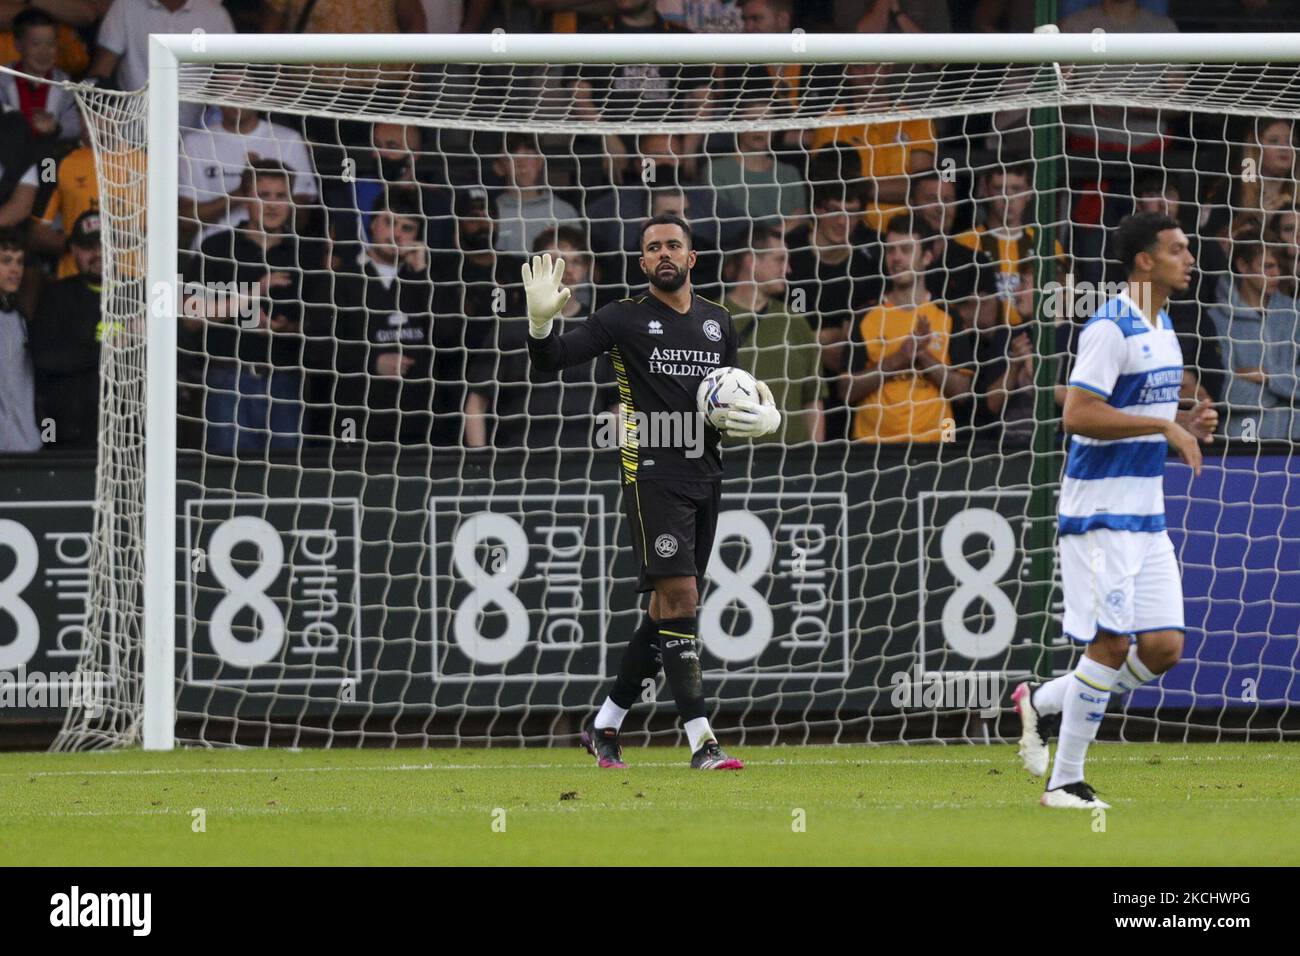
point(579, 807)
point(1096, 757)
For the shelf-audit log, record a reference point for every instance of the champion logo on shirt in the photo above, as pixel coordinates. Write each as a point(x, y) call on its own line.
point(655, 327)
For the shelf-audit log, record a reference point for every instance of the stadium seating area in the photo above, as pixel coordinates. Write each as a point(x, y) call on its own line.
point(386, 256)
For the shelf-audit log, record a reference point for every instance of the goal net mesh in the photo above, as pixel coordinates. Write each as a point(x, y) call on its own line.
point(390, 529)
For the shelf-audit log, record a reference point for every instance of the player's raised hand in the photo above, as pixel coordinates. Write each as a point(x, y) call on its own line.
point(1201, 420)
point(545, 295)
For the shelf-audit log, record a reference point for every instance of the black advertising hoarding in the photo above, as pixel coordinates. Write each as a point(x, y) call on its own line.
point(322, 591)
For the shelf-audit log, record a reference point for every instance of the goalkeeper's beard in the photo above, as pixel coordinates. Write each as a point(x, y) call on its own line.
point(668, 284)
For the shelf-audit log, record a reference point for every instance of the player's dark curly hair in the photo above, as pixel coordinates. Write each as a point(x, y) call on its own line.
point(1138, 233)
point(667, 219)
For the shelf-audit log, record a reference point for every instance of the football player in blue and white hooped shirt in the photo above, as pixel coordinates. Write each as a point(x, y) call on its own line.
point(1123, 593)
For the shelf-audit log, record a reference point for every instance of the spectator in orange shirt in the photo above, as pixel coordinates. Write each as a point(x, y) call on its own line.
point(76, 191)
point(342, 16)
point(890, 150)
point(1005, 194)
point(909, 359)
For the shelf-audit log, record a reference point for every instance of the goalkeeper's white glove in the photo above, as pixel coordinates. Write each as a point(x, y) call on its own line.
point(753, 419)
point(545, 295)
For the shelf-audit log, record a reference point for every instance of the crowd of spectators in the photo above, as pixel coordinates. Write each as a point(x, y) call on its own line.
point(359, 282)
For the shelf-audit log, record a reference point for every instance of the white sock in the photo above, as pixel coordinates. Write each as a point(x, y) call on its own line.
point(1085, 706)
point(698, 731)
point(1132, 673)
point(1050, 698)
point(611, 715)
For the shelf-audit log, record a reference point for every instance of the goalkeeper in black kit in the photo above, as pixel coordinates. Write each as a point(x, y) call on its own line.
point(662, 345)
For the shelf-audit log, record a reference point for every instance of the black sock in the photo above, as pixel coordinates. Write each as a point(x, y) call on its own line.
point(641, 661)
point(682, 665)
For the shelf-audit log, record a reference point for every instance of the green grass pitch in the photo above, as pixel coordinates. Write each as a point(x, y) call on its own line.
point(1202, 804)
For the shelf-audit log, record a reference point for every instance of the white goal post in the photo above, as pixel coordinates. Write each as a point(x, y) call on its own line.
point(1051, 71)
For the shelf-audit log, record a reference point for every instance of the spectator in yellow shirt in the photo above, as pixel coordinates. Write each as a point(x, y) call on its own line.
point(890, 150)
point(1005, 194)
point(908, 361)
point(76, 192)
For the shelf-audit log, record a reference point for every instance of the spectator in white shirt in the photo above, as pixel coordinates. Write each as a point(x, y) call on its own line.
point(213, 160)
point(123, 42)
point(17, 376)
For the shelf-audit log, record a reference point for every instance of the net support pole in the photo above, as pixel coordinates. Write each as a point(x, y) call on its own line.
point(1045, 122)
point(159, 693)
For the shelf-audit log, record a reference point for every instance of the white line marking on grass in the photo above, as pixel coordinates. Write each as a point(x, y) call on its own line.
point(1100, 756)
point(852, 806)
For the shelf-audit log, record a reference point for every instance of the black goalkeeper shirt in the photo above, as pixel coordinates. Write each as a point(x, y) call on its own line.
point(660, 356)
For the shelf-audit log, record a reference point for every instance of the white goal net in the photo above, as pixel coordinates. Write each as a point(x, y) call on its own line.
point(389, 529)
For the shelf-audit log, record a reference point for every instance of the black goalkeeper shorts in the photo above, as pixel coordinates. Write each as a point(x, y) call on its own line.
point(673, 525)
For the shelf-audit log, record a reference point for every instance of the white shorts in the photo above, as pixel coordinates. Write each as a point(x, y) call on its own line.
point(1125, 582)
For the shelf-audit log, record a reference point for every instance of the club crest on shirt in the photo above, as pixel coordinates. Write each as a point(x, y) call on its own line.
point(713, 330)
point(665, 545)
point(655, 327)
point(1116, 600)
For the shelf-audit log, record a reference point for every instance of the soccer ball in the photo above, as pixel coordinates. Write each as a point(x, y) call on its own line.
point(720, 388)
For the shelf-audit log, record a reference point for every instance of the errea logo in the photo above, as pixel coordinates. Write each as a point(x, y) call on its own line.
point(655, 327)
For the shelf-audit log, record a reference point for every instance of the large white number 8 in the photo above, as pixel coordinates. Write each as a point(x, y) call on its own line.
point(20, 650)
point(738, 585)
point(490, 588)
point(978, 583)
point(247, 591)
